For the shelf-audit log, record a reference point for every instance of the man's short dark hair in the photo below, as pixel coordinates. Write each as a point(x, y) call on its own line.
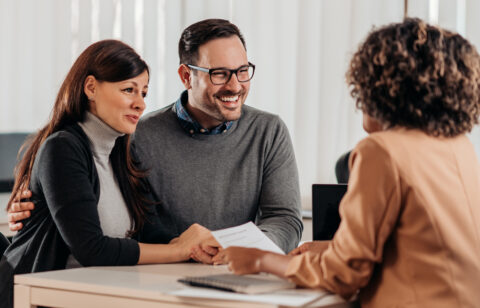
point(202, 32)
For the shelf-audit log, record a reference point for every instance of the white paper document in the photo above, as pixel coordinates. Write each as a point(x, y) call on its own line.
point(246, 235)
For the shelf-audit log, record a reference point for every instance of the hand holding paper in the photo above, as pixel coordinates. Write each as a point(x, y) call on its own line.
point(246, 235)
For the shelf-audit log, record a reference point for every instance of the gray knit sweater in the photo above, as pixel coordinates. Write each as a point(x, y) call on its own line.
point(247, 173)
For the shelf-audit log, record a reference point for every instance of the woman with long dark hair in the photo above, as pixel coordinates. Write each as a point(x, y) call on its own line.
point(410, 229)
point(91, 205)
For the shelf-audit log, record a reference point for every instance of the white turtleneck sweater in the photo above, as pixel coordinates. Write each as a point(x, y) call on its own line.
point(112, 209)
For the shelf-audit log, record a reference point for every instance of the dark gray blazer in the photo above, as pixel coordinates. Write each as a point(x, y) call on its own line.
point(65, 221)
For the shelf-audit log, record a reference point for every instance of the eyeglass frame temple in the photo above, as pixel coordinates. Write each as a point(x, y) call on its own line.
point(232, 71)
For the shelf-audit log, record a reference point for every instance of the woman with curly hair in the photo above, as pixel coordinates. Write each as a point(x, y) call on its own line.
point(410, 229)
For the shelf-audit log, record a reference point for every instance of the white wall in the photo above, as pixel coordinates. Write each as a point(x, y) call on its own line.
point(301, 49)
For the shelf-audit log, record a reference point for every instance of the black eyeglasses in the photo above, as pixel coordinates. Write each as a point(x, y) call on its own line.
point(219, 76)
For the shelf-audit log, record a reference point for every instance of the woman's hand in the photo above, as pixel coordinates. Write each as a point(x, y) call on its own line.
point(315, 247)
point(179, 248)
point(241, 260)
point(195, 237)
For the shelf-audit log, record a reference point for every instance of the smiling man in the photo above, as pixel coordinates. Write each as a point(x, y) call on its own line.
point(212, 159)
point(214, 97)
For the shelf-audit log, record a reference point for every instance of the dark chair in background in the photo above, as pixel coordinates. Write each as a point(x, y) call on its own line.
point(4, 242)
point(341, 168)
point(10, 144)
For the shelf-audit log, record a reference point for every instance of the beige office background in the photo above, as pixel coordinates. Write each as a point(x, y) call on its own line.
point(301, 49)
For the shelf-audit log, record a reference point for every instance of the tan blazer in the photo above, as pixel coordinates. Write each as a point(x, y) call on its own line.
point(410, 230)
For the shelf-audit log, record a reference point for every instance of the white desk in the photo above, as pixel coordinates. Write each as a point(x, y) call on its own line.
point(133, 286)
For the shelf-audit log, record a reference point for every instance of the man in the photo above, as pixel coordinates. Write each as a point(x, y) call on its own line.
point(212, 160)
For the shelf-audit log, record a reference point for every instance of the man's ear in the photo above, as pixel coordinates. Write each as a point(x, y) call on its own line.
point(89, 87)
point(185, 74)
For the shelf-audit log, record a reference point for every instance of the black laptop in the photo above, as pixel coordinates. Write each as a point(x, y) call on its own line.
point(325, 201)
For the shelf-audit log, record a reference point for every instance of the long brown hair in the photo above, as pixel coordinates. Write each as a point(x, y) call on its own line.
point(107, 60)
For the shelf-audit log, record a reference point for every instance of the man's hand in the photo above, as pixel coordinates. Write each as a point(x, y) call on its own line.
point(315, 247)
point(19, 210)
point(195, 240)
point(203, 253)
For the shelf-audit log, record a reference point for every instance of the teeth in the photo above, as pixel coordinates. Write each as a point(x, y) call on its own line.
point(229, 98)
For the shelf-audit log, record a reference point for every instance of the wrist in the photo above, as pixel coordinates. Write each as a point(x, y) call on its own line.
point(273, 263)
point(180, 251)
point(262, 261)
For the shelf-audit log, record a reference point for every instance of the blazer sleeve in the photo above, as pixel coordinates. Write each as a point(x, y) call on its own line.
point(65, 176)
point(369, 212)
point(279, 203)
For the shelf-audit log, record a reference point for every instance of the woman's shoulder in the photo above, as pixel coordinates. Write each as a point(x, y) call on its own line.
point(401, 146)
point(71, 135)
point(67, 142)
point(395, 138)
point(62, 152)
point(383, 143)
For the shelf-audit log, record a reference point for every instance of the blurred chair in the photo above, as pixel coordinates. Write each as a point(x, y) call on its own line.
point(342, 172)
point(4, 242)
point(10, 144)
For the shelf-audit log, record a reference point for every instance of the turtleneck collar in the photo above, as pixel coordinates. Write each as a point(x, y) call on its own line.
point(102, 137)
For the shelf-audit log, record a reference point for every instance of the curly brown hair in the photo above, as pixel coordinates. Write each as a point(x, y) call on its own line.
point(415, 75)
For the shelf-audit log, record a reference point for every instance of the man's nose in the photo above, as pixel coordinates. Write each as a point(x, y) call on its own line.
point(233, 84)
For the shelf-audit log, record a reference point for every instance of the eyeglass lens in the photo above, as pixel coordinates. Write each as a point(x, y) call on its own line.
point(221, 76)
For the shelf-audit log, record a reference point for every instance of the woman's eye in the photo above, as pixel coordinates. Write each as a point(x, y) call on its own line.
point(144, 94)
point(128, 90)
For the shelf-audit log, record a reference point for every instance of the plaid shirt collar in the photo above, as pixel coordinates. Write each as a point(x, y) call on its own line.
point(191, 125)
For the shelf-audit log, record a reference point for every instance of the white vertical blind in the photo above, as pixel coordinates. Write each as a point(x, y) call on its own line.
point(301, 49)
